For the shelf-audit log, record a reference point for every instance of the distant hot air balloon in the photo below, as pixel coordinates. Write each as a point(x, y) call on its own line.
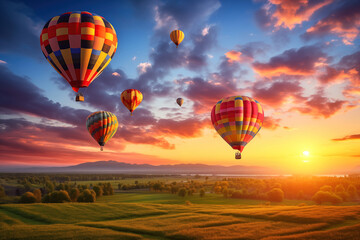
point(177, 36)
point(131, 98)
point(102, 126)
point(180, 101)
point(237, 119)
point(79, 45)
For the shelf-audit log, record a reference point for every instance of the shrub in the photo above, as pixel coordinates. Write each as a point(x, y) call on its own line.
point(188, 203)
point(74, 194)
point(87, 196)
point(37, 194)
point(202, 192)
point(59, 197)
point(28, 197)
point(275, 195)
point(2, 191)
point(324, 196)
point(182, 192)
point(98, 190)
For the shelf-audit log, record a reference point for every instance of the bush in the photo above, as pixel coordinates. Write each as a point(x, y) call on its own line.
point(182, 192)
point(275, 195)
point(188, 203)
point(37, 194)
point(59, 197)
point(2, 191)
point(74, 194)
point(28, 197)
point(324, 196)
point(98, 190)
point(87, 196)
point(202, 192)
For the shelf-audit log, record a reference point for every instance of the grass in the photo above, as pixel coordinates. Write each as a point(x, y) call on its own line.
point(165, 216)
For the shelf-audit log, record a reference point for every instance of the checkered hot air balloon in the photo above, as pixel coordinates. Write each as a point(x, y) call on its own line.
point(237, 119)
point(177, 36)
point(79, 45)
point(102, 126)
point(131, 98)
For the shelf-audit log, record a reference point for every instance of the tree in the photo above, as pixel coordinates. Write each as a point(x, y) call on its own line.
point(87, 196)
point(202, 192)
point(326, 188)
point(325, 196)
point(37, 194)
point(74, 194)
point(60, 197)
point(2, 191)
point(275, 195)
point(351, 190)
point(119, 186)
point(98, 190)
point(49, 186)
point(226, 193)
point(28, 197)
point(182, 192)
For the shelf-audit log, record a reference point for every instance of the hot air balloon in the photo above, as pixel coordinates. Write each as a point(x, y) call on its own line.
point(79, 45)
point(180, 101)
point(131, 98)
point(177, 36)
point(237, 119)
point(102, 126)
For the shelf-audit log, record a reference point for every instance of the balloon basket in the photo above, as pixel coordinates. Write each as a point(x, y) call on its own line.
point(102, 148)
point(238, 155)
point(79, 97)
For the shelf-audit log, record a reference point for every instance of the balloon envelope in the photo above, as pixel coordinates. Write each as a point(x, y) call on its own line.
point(102, 126)
point(180, 101)
point(237, 119)
point(177, 36)
point(131, 98)
point(79, 45)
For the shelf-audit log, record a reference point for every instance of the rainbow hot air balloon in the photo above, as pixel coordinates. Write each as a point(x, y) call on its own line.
point(180, 101)
point(131, 98)
point(102, 126)
point(237, 119)
point(79, 45)
point(177, 36)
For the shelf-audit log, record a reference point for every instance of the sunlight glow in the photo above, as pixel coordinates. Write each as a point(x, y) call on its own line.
point(306, 153)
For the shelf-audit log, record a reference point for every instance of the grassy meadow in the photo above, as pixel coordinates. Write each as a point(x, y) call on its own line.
point(148, 214)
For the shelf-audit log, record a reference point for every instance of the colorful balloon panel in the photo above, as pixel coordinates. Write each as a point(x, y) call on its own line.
point(79, 45)
point(131, 98)
point(237, 119)
point(177, 37)
point(102, 126)
point(180, 101)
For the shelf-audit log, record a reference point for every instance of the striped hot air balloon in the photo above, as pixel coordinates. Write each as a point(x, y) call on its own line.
point(79, 45)
point(102, 126)
point(177, 36)
point(131, 98)
point(237, 119)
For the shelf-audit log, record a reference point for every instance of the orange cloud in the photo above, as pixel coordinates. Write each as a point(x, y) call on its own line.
point(289, 13)
point(233, 56)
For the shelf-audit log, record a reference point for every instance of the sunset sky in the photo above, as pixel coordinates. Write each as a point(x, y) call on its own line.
point(300, 59)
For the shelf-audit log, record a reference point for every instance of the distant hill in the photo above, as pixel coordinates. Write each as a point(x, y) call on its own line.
point(121, 167)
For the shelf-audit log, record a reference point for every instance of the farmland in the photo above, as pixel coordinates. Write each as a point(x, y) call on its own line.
point(163, 216)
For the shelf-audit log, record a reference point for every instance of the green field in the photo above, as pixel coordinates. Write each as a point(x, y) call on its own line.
point(166, 216)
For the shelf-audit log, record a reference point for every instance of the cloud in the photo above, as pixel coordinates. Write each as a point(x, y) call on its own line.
point(318, 105)
point(349, 137)
point(288, 13)
point(133, 58)
point(2, 62)
point(278, 93)
point(343, 22)
point(233, 56)
point(271, 123)
point(20, 29)
point(205, 30)
point(301, 62)
point(116, 74)
point(143, 67)
point(172, 15)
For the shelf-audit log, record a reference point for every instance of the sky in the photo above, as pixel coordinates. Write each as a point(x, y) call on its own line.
point(299, 58)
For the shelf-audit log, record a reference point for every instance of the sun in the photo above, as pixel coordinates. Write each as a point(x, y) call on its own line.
point(306, 153)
